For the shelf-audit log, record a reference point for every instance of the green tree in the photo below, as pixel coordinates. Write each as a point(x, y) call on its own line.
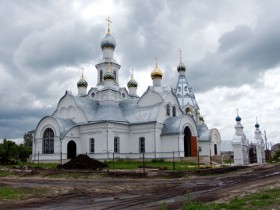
point(24, 152)
point(9, 149)
point(28, 139)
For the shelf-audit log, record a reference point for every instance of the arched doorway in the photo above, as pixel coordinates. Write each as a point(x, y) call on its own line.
point(71, 150)
point(187, 142)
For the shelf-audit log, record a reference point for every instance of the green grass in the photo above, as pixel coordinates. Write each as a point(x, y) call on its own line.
point(32, 165)
point(42, 165)
point(10, 193)
point(160, 163)
point(258, 200)
point(5, 173)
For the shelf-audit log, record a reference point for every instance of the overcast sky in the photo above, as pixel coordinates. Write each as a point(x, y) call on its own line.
point(231, 50)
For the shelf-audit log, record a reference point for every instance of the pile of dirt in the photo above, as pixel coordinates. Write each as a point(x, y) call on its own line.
point(83, 162)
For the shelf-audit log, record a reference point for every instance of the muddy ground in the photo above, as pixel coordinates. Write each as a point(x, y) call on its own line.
point(118, 192)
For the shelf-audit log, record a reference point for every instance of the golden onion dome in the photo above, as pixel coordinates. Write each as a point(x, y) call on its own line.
point(156, 73)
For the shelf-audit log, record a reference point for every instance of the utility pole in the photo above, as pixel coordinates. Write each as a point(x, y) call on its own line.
point(266, 151)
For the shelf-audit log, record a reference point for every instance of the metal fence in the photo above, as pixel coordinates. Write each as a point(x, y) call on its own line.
point(174, 156)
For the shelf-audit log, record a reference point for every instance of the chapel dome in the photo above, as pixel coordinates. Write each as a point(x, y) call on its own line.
point(108, 42)
point(181, 67)
point(238, 119)
point(82, 82)
point(156, 73)
point(257, 125)
point(132, 83)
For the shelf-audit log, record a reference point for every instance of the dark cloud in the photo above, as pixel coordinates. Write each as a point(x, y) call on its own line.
point(61, 45)
point(243, 54)
point(43, 45)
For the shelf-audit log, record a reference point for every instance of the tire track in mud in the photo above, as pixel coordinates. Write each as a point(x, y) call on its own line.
point(143, 193)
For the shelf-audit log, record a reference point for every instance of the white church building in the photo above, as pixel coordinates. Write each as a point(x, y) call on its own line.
point(244, 152)
point(109, 119)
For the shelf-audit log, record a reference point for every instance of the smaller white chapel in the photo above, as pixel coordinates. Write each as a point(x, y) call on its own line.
point(110, 119)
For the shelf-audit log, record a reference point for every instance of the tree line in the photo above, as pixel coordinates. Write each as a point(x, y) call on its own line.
point(10, 151)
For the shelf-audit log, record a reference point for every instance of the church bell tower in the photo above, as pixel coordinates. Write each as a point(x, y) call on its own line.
point(108, 46)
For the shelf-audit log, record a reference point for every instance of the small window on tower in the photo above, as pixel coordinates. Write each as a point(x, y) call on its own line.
point(115, 74)
point(179, 89)
point(101, 76)
point(188, 111)
point(174, 111)
point(186, 88)
point(168, 110)
point(123, 95)
point(93, 95)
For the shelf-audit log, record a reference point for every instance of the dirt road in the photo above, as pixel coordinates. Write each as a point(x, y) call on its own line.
point(141, 193)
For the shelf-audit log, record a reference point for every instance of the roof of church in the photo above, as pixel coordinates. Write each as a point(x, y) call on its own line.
point(171, 126)
point(203, 132)
point(127, 111)
point(64, 124)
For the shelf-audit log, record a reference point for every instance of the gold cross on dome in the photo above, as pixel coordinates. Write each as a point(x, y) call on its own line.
point(156, 60)
point(82, 72)
point(108, 22)
point(180, 52)
point(131, 73)
point(237, 111)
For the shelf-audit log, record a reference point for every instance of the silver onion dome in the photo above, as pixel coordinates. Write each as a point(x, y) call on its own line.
point(108, 42)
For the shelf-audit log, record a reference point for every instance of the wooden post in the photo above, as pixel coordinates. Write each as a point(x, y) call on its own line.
point(198, 159)
point(210, 158)
point(143, 162)
point(173, 162)
point(113, 161)
point(61, 158)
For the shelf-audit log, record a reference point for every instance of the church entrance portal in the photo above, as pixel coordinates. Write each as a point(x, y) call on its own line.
point(71, 150)
point(187, 142)
point(253, 154)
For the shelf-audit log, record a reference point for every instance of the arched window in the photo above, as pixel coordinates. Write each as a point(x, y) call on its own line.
point(168, 110)
point(101, 76)
point(115, 74)
point(116, 144)
point(141, 145)
point(174, 111)
point(188, 111)
point(92, 145)
point(48, 141)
